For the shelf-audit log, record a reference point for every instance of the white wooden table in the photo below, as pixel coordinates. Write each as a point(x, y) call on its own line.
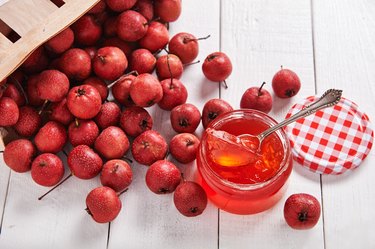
point(328, 43)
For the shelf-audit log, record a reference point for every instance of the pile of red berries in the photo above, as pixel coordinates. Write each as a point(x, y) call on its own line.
point(85, 92)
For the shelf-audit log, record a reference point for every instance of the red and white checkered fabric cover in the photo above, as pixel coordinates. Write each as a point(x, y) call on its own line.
point(331, 141)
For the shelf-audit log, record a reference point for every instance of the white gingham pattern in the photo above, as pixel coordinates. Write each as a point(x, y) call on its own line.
point(331, 141)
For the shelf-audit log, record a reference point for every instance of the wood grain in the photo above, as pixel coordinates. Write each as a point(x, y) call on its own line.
point(259, 37)
point(345, 58)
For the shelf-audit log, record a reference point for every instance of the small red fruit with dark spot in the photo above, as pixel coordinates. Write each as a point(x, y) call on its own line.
point(183, 147)
point(286, 83)
point(116, 174)
point(149, 147)
point(185, 118)
point(257, 98)
point(145, 90)
point(163, 177)
point(47, 169)
point(301, 211)
point(135, 120)
point(84, 101)
point(103, 204)
point(217, 67)
point(190, 199)
point(212, 109)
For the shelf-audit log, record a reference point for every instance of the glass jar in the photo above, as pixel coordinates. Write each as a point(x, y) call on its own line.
point(238, 197)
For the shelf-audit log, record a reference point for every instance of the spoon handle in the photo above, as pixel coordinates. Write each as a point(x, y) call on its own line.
point(329, 98)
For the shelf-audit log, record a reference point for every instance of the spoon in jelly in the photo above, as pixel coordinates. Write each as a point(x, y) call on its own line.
point(330, 98)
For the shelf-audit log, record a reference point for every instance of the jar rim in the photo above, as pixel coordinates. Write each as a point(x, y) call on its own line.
point(240, 113)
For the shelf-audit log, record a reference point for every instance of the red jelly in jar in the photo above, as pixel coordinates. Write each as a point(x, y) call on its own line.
point(239, 179)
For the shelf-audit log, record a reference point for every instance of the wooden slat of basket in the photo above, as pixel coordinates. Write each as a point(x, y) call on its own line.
point(40, 29)
point(4, 42)
point(23, 15)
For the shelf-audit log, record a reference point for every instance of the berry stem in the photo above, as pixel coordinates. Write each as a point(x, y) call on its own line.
point(134, 72)
point(260, 89)
point(66, 154)
point(76, 122)
point(43, 106)
point(49, 191)
point(157, 52)
point(167, 155)
point(122, 191)
point(225, 84)
point(1, 151)
point(21, 89)
point(186, 39)
point(192, 63)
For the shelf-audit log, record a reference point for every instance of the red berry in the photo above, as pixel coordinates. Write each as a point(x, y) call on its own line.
point(149, 147)
point(83, 132)
point(19, 154)
point(190, 199)
point(163, 177)
point(301, 211)
point(286, 83)
point(116, 174)
point(9, 112)
point(183, 147)
point(217, 67)
point(135, 120)
point(84, 101)
point(84, 163)
point(28, 122)
point(103, 204)
point(51, 138)
point(47, 169)
point(112, 143)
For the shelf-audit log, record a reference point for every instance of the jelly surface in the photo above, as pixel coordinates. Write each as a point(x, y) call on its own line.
point(237, 161)
point(229, 150)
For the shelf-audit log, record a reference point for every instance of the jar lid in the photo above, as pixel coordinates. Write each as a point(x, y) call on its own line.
point(331, 141)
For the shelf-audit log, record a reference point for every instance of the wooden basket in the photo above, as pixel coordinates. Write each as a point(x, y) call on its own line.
point(34, 21)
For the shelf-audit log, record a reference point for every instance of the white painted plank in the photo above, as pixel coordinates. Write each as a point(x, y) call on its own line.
point(57, 221)
point(345, 58)
point(259, 36)
point(152, 221)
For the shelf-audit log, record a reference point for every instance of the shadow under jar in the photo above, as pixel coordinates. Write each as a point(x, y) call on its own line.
point(250, 188)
